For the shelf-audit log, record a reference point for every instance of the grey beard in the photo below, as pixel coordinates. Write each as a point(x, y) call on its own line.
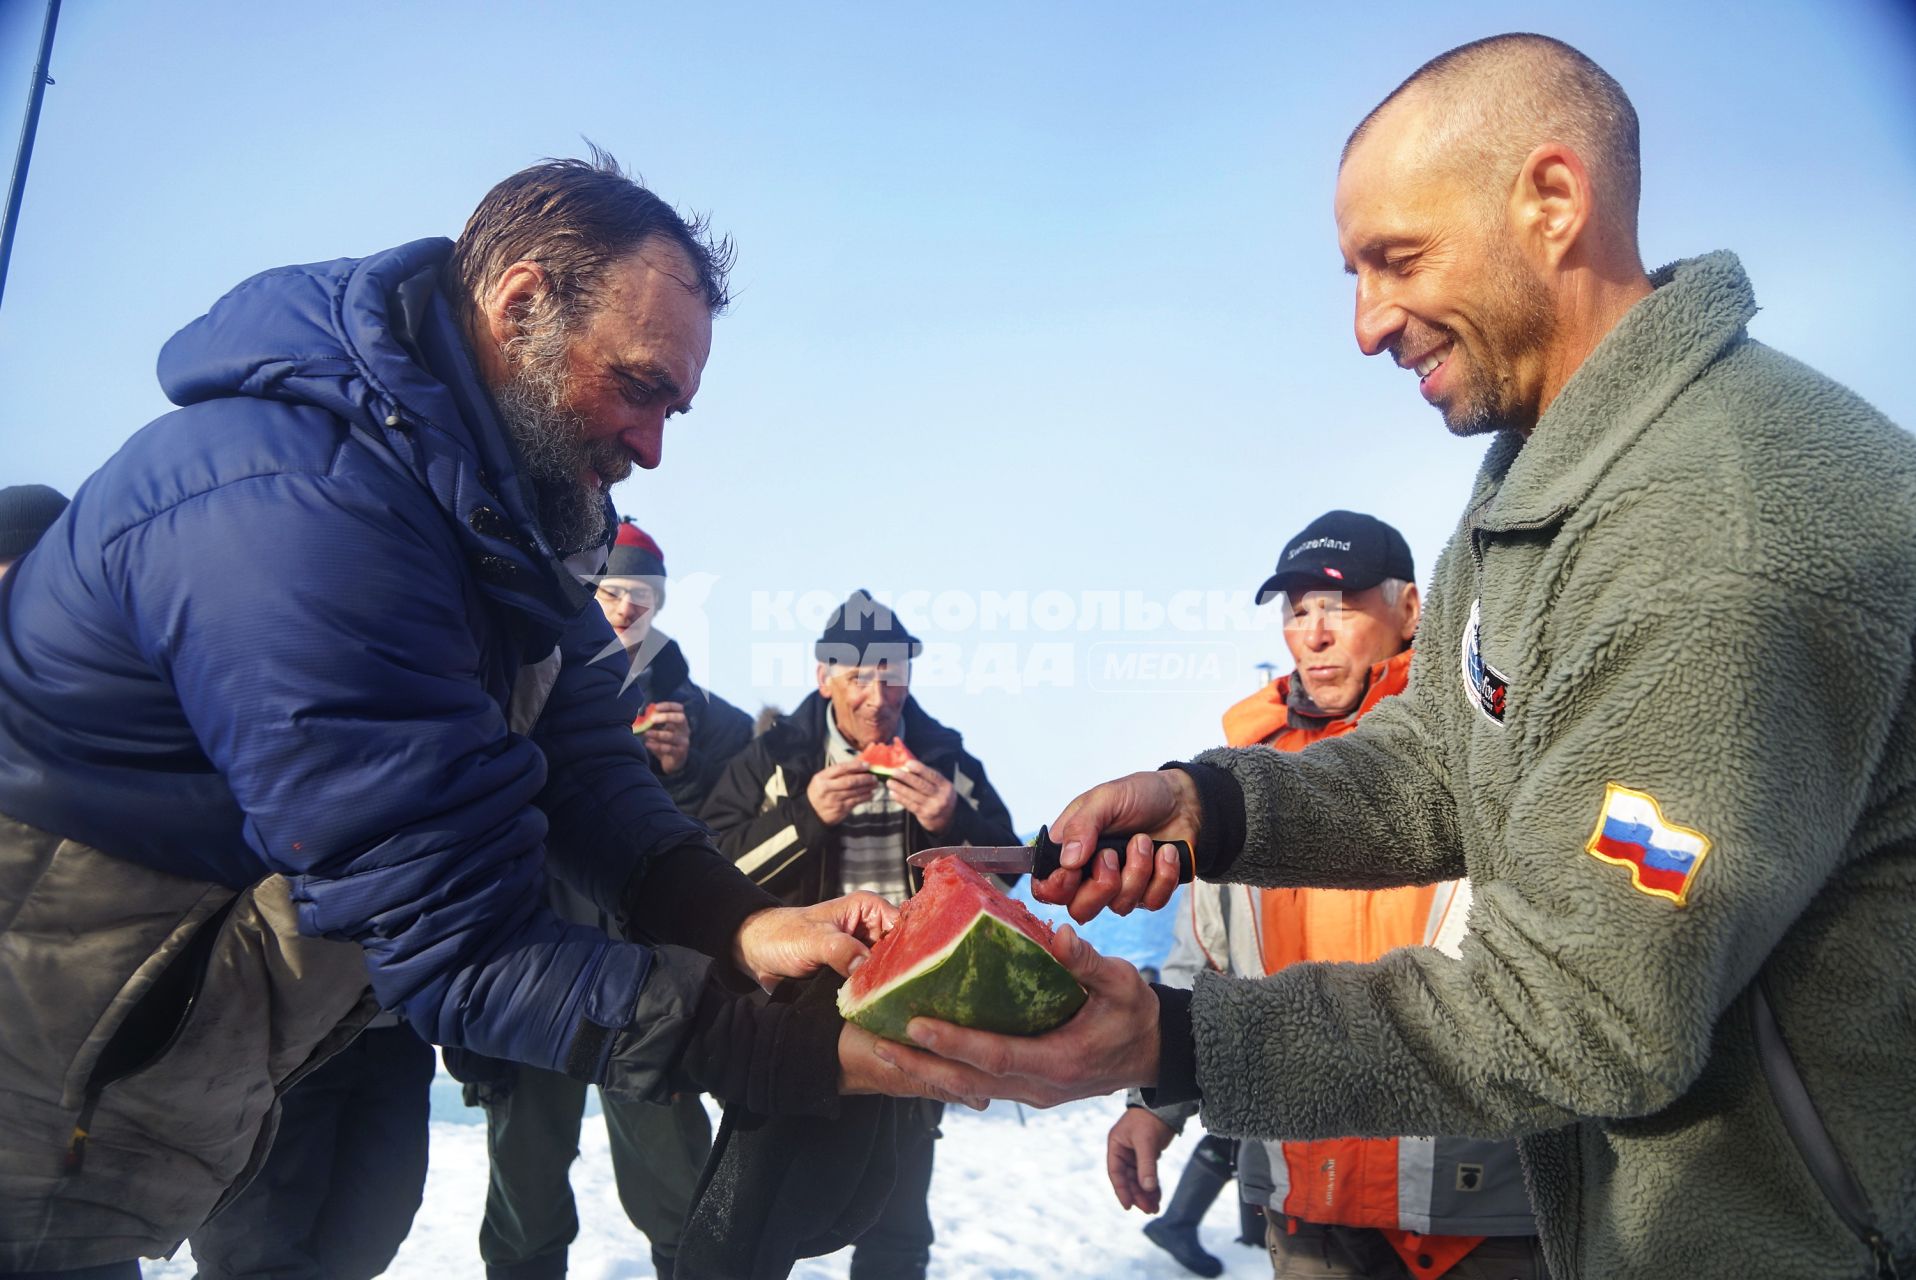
point(550, 440)
point(550, 453)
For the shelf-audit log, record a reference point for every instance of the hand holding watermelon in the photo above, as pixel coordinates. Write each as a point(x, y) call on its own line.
point(926, 794)
point(1111, 1043)
point(795, 942)
point(1164, 803)
point(837, 789)
point(668, 735)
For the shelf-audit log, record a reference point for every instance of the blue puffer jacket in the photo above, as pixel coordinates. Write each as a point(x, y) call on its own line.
point(278, 632)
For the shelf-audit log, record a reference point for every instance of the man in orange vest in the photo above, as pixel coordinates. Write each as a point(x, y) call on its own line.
point(1415, 1208)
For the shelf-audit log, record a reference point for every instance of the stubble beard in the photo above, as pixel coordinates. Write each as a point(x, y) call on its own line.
point(550, 437)
point(1518, 320)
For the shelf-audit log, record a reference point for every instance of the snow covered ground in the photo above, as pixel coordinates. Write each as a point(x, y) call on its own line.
point(1014, 1193)
point(1008, 1200)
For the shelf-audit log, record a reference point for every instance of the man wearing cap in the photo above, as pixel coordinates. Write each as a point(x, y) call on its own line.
point(1383, 1208)
point(803, 817)
point(1663, 715)
point(532, 1115)
point(26, 512)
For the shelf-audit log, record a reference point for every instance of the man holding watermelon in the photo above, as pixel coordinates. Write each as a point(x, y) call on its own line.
point(1662, 715)
point(246, 809)
point(833, 799)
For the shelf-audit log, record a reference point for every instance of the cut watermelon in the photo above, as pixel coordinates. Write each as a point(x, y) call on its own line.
point(887, 758)
point(964, 952)
point(647, 718)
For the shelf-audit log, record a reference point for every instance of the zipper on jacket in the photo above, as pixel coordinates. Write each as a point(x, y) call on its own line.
point(76, 1148)
point(174, 991)
point(1814, 1145)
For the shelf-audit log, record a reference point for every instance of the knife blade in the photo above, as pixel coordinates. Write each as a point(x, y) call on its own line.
point(1040, 857)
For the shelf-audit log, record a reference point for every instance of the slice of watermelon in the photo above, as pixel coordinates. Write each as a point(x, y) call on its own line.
point(964, 952)
point(887, 758)
point(647, 718)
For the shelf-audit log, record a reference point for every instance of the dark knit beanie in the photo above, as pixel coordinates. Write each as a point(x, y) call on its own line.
point(863, 633)
point(635, 555)
point(26, 512)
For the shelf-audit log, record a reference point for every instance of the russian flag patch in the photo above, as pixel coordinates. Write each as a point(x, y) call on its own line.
point(1632, 832)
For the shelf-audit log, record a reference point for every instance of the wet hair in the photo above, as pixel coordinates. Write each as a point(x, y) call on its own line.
point(575, 218)
point(1495, 100)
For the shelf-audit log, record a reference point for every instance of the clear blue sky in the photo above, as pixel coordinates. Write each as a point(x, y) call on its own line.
point(1030, 297)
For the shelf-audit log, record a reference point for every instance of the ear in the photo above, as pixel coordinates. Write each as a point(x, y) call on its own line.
point(1410, 611)
point(1551, 203)
point(824, 676)
point(517, 290)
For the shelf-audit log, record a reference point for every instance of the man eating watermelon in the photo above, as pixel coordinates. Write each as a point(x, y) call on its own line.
point(807, 818)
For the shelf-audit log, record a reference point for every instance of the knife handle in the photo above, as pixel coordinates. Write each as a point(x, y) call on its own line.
point(1045, 853)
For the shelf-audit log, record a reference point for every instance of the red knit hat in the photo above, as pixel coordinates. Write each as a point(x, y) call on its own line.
point(634, 553)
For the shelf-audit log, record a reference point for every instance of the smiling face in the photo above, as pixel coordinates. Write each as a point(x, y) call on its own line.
point(585, 400)
point(1336, 637)
point(867, 702)
point(1441, 284)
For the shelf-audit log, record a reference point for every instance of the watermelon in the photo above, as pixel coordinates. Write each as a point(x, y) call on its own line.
point(647, 718)
point(887, 758)
point(962, 951)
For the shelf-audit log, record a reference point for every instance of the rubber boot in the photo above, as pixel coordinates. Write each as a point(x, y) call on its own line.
point(1176, 1231)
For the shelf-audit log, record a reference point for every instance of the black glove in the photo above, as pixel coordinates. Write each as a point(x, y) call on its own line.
point(693, 1034)
point(780, 1188)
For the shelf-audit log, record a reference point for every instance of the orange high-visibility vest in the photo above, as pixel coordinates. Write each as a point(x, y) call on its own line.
point(1350, 1182)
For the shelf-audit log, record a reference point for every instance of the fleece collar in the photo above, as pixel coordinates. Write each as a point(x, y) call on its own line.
point(1699, 309)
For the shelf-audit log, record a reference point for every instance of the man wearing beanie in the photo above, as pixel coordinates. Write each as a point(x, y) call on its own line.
point(694, 733)
point(533, 1115)
point(803, 817)
point(26, 512)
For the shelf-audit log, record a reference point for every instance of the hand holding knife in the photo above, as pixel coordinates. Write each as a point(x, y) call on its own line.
point(1040, 858)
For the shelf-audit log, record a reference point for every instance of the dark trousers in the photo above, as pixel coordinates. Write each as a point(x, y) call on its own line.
point(532, 1135)
point(1316, 1252)
point(105, 1271)
point(345, 1176)
point(898, 1245)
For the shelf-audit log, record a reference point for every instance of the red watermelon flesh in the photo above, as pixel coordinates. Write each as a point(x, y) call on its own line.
point(965, 952)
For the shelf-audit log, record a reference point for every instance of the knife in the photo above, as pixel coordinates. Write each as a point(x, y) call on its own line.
point(1040, 857)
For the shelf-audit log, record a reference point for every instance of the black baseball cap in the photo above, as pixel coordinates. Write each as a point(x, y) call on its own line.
point(1340, 551)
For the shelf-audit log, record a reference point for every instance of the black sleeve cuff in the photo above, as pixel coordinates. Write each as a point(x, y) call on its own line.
point(690, 897)
point(773, 1059)
point(1220, 817)
point(1177, 1050)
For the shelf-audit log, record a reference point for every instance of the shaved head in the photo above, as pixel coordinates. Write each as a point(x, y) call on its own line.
point(1486, 105)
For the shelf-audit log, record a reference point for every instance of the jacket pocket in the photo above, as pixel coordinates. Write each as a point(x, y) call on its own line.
point(151, 1027)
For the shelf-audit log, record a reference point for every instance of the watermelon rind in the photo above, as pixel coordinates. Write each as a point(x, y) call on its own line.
point(991, 977)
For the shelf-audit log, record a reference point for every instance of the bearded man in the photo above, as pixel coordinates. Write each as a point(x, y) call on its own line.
point(302, 707)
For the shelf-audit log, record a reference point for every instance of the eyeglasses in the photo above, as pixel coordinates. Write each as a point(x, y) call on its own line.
point(641, 595)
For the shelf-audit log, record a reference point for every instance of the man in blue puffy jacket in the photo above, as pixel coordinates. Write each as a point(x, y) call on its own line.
point(298, 705)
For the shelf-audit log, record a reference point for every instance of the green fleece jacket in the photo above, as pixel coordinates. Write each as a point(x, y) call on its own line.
point(1695, 582)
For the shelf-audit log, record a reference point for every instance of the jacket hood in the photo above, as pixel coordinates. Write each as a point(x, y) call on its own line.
point(376, 343)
